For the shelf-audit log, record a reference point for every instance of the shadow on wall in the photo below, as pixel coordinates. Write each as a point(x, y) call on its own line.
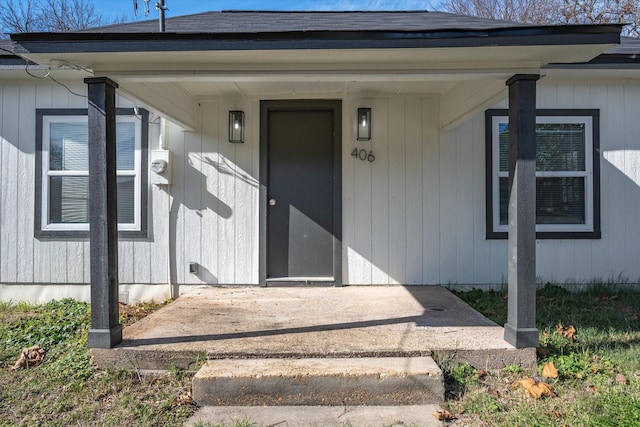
point(197, 170)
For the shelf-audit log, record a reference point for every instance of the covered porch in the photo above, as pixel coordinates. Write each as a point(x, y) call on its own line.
point(313, 322)
point(460, 67)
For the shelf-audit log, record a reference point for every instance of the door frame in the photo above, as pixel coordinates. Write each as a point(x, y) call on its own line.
point(335, 106)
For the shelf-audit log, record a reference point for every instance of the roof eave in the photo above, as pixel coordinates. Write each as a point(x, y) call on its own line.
point(160, 42)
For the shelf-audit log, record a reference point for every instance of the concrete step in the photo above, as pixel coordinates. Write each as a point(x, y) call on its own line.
point(319, 381)
point(356, 416)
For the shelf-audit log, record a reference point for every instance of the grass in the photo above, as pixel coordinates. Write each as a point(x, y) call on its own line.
point(65, 389)
point(598, 380)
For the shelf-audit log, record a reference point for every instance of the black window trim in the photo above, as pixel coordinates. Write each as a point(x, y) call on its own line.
point(143, 115)
point(583, 235)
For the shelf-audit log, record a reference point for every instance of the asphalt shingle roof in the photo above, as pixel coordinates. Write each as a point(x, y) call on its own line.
point(273, 22)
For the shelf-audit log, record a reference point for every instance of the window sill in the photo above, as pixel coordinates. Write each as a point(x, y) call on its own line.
point(84, 235)
point(550, 235)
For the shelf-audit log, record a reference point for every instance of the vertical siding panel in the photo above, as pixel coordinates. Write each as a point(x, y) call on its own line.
point(583, 248)
point(631, 188)
point(193, 181)
point(600, 248)
point(177, 210)
point(397, 194)
point(414, 214)
point(159, 221)
point(614, 133)
point(210, 205)
point(448, 197)
point(125, 261)
point(481, 252)
point(9, 201)
point(380, 201)
point(254, 122)
point(244, 213)
point(26, 174)
point(2, 169)
point(349, 254)
point(226, 225)
point(41, 248)
point(464, 203)
point(431, 191)
point(363, 205)
point(498, 249)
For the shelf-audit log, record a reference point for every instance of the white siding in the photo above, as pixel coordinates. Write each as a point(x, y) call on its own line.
point(416, 215)
point(214, 207)
point(27, 260)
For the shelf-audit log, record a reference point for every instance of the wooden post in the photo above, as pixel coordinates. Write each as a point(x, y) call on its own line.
point(520, 330)
point(106, 330)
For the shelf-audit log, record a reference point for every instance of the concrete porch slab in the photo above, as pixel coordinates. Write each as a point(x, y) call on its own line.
point(303, 322)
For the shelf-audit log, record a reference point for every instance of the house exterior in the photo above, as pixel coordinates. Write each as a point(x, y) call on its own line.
point(374, 151)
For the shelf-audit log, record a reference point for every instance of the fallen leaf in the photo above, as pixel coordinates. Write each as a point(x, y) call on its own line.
point(568, 332)
point(621, 379)
point(549, 370)
point(482, 373)
point(592, 388)
point(29, 357)
point(183, 400)
point(444, 415)
point(536, 389)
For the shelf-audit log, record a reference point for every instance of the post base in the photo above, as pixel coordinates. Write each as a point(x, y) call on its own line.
point(105, 338)
point(521, 337)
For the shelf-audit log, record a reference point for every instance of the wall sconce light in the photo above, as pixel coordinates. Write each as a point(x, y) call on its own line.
point(236, 126)
point(364, 124)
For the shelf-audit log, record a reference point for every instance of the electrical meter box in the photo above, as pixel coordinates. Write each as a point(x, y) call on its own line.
point(160, 168)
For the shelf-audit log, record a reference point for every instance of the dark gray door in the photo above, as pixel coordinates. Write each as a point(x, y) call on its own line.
point(302, 191)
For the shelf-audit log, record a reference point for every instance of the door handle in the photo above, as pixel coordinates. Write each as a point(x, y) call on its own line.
point(272, 202)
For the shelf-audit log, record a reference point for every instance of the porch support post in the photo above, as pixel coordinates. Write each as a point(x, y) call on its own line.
point(106, 330)
point(520, 330)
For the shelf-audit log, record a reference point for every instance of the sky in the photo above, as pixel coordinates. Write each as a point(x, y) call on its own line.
point(112, 9)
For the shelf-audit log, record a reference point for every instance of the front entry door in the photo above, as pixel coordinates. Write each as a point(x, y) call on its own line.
point(301, 191)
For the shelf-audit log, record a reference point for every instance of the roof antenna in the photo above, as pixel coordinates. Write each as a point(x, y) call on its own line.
point(162, 9)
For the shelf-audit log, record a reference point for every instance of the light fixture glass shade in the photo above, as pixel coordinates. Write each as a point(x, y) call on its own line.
point(364, 124)
point(236, 126)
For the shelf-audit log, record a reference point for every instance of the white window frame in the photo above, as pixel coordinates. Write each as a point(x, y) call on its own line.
point(587, 174)
point(47, 120)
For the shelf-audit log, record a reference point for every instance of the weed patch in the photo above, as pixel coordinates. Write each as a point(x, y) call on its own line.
point(591, 337)
point(65, 389)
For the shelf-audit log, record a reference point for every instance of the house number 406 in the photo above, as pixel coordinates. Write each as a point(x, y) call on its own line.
point(363, 155)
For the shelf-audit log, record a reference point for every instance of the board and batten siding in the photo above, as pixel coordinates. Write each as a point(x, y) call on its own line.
point(415, 215)
point(25, 259)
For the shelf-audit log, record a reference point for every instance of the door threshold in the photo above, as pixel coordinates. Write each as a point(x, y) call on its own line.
point(301, 279)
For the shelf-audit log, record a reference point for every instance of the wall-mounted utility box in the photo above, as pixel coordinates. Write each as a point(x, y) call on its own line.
point(160, 168)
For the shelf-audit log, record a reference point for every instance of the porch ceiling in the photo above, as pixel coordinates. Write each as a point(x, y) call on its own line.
point(465, 78)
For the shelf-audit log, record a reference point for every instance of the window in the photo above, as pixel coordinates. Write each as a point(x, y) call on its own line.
point(567, 174)
point(63, 172)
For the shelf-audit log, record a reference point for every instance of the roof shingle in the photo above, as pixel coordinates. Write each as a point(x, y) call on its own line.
point(274, 22)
